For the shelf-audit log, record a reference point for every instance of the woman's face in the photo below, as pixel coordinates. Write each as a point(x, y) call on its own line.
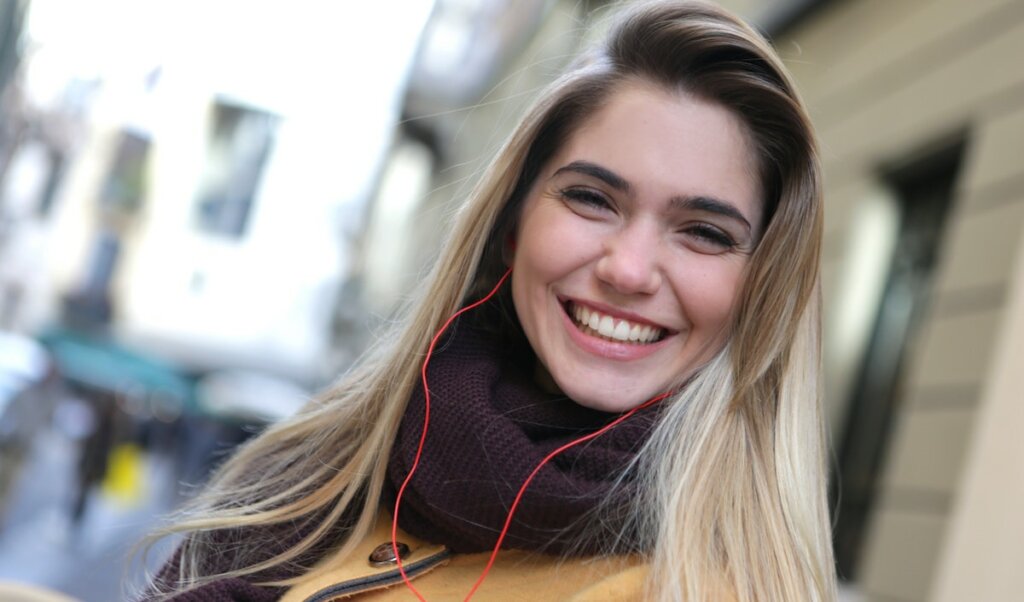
point(632, 244)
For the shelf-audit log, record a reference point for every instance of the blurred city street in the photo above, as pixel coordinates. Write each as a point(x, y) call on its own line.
point(40, 544)
point(209, 210)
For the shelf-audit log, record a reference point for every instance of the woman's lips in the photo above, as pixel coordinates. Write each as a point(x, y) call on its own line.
point(626, 339)
point(597, 323)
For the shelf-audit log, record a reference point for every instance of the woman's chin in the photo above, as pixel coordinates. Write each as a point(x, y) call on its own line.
point(598, 398)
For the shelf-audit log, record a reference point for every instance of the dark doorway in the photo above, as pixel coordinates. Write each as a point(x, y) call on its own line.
point(924, 189)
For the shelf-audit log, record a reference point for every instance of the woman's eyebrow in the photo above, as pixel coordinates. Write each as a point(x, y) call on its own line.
point(692, 203)
point(594, 170)
point(710, 205)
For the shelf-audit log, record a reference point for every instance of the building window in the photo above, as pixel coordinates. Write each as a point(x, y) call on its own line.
point(239, 144)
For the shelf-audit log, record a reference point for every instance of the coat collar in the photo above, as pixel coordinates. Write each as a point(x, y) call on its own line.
point(440, 575)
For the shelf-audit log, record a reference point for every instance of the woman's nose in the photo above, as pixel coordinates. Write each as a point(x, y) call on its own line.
point(629, 263)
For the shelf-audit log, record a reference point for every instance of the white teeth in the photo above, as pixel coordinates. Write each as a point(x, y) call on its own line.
point(612, 328)
point(634, 333)
point(621, 331)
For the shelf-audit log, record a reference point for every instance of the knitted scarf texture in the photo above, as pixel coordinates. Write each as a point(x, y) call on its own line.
point(490, 426)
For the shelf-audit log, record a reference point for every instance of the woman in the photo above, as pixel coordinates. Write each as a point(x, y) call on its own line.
point(659, 209)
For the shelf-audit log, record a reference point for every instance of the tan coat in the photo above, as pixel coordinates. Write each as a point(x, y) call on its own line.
point(440, 575)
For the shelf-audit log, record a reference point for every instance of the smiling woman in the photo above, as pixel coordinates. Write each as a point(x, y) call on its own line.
point(634, 417)
point(626, 271)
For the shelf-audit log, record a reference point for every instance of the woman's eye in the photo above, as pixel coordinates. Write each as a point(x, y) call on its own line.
point(710, 239)
point(589, 198)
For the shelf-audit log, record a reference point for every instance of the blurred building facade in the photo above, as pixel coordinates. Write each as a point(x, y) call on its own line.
point(920, 111)
point(198, 200)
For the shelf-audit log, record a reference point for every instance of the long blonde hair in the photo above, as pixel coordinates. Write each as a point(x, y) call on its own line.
point(734, 474)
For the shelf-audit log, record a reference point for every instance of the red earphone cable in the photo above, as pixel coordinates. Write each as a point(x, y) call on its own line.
point(522, 489)
point(526, 483)
point(426, 424)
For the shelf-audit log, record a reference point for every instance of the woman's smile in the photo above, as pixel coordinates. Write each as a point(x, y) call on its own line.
point(611, 326)
point(632, 244)
point(607, 337)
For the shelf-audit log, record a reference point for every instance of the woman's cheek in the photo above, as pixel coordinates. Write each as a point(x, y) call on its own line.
point(709, 297)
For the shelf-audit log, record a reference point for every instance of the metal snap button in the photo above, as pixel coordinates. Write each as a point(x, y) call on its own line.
point(384, 555)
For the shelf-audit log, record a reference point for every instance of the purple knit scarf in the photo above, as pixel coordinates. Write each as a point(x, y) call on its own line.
point(490, 426)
